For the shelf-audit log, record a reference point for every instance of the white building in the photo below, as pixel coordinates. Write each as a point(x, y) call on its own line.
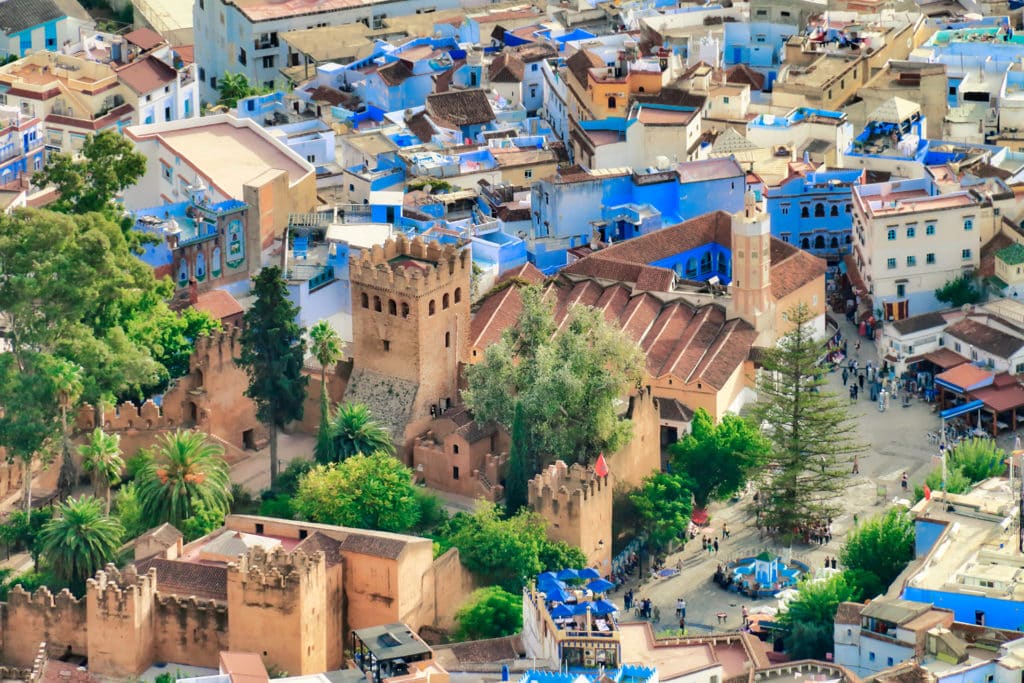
point(909, 241)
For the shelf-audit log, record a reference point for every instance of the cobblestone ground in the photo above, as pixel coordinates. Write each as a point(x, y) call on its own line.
point(896, 442)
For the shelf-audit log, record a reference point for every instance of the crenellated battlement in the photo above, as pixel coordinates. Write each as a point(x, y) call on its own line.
point(127, 415)
point(279, 568)
point(436, 266)
point(121, 592)
point(565, 489)
point(42, 598)
point(217, 348)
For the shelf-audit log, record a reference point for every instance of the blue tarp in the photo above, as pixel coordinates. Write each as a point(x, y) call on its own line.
point(968, 407)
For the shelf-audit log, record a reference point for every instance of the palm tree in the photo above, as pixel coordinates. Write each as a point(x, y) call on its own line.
point(354, 431)
point(101, 458)
point(80, 540)
point(326, 349)
point(186, 469)
point(67, 381)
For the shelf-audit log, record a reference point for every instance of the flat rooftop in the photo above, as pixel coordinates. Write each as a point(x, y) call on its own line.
point(673, 658)
point(262, 10)
point(920, 204)
point(231, 157)
point(392, 641)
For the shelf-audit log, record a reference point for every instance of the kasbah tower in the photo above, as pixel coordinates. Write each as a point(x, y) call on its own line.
point(410, 322)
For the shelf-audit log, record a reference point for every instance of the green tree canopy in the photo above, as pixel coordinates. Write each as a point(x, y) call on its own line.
point(718, 459)
point(273, 351)
point(185, 470)
point(664, 504)
point(812, 436)
point(877, 551)
point(67, 383)
point(128, 510)
point(353, 431)
point(568, 381)
point(101, 458)
point(521, 464)
point(109, 164)
point(234, 87)
point(490, 612)
point(978, 459)
point(508, 551)
point(959, 291)
point(810, 618)
point(80, 540)
point(365, 491)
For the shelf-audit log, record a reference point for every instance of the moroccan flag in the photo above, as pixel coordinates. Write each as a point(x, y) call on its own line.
point(927, 492)
point(601, 467)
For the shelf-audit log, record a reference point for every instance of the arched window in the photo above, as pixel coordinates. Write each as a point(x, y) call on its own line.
point(431, 307)
point(365, 300)
point(705, 263)
point(834, 211)
point(819, 210)
point(405, 310)
point(835, 243)
point(804, 212)
point(723, 264)
point(458, 294)
point(805, 243)
point(691, 268)
point(819, 242)
point(376, 303)
point(444, 300)
point(392, 307)
point(611, 102)
point(849, 239)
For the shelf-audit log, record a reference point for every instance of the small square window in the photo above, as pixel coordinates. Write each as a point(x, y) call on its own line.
point(929, 229)
point(929, 259)
point(528, 173)
point(891, 234)
point(871, 656)
point(965, 254)
point(911, 261)
point(387, 345)
point(259, 528)
point(891, 263)
point(911, 231)
point(968, 224)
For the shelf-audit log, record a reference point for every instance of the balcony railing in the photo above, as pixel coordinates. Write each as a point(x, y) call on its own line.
point(322, 278)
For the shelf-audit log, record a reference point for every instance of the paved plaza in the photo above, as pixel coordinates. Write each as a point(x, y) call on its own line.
point(896, 442)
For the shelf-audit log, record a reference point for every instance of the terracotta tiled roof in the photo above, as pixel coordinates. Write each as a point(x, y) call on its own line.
point(655, 279)
point(506, 68)
point(987, 267)
point(146, 75)
point(330, 547)
point(218, 303)
point(496, 313)
point(526, 272)
point(378, 546)
point(187, 53)
point(919, 323)
point(395, 73)
point(460, 107)
point(420, 126)
point(184, 579)
point(485, 651)
point(580, 64)
point(792, 272)
point(998, 343)
point(743, 74)
point(145, 38)
point(848, 613)
point(325, 93)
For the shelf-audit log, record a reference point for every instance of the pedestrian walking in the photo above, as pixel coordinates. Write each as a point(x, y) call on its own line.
point(682, 611)
point(856, 465)
point(860, 380)
point(745, 615)
point(856, 347)
point(682, 624)
point(846, 376)
point(904, 484)
point(1016, 442)
point(715, 544)
point(657, 614)
point(725, 530)
point(835, 563)
point(855, 391)
point(680, 607)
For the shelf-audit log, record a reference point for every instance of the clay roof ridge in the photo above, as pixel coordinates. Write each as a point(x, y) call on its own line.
point(503, 296)
point(641, 300)
point(694, 326)
point(707, 359)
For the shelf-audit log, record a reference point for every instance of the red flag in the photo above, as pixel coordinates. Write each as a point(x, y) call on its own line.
point(601, 467)
point(927, 492)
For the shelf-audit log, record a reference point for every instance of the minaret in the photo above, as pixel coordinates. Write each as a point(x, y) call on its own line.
point(751, 269)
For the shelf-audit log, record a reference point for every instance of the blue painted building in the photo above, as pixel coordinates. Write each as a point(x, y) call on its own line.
point(812, 210)
point(22, 150)
point(625, 674)
point(577, 206)
point(40, 25)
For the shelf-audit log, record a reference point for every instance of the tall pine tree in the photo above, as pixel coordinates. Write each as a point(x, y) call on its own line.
point(812, 436)
point(273, 349)
point(521, 465)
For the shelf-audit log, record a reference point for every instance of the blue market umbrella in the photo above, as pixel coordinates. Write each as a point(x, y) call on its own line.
point(545, 576)
point(556, 594)
point(568, 575)
point(600, 585)
point(589, 573)
point(547, 582)
point(562, 612)
point(603, 607)
point(582, 608)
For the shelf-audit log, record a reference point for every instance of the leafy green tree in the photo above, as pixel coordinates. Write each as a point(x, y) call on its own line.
point(80, 540)
point(877, 550)
point(956, 482)
point(170, 336)
point(272, 355)
point(101, 458)
point(490, 612)
point(109, 164)
point(521, 464)
point(21, 531)
point(665, 505)
point(959, 291)
point(568, 381)
point(353, 431)
point(978, 459)
point(29, 421)
point(811, 434)
point(326, 345)
point(507, 551)
point(186, 469)
point(128, 510)
point(718, 459)
point(432, 513)
point(203, 521)
point(234, 87)
point(810, 618)
point(67, 383)
point(365, 491)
